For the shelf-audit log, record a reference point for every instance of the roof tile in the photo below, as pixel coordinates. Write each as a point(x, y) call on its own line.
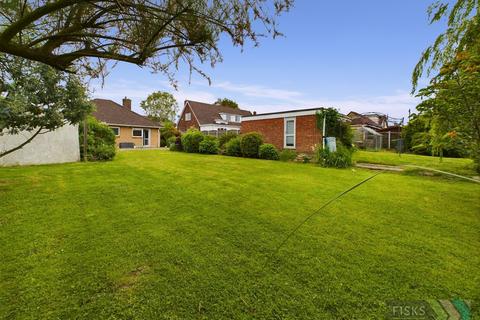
point(111, 112)
point(208, 113)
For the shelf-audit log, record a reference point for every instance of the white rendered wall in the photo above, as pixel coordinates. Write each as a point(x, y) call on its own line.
point(58, 146)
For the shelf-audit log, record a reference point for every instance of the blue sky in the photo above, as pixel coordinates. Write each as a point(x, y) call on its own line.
point(351, 55)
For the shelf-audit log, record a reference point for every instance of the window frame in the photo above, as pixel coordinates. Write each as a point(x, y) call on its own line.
point(294, 134)
point(140, 136)
point(118, 128)
point(238, 118)
point(188, 116)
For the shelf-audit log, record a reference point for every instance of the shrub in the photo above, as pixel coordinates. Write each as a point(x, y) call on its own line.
point(233, 148)
point(342, 158)
point(223, 139)
point(208, 146)
point(171, 141)
point(268, 151)
point(100, 141)
point(167, 132)
point(335, 126)
point(103, 152)
point(176, 144)
point(287, 155)
point(250, 144)
point(191, 140)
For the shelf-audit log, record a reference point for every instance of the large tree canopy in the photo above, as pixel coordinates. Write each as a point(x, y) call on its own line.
point(451, 102)
point(227, 103)
point(160, 106)
point(36, 97)
point(157, 33)
point(463, 26)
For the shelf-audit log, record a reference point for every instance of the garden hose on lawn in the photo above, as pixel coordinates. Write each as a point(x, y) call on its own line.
point(318, 211)
point(347, 191)
point(443, 172)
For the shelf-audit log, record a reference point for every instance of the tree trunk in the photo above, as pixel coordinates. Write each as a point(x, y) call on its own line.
point(85, 139)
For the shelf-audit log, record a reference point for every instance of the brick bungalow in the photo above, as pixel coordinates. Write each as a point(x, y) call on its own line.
point(212, 119)
point(131, 129)
point(295, 129)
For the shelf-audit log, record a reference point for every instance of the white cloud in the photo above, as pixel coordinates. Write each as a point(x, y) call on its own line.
point(258, 91)
point(395, 105)
point(256, 97)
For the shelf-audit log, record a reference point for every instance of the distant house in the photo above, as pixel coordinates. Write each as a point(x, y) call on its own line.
point(294, 129)
point(211, 119)
point(374, 130)
point(372, 119)
point(131, 129)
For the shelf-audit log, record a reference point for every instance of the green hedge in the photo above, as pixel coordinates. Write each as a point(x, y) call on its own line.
point(100, 141)
point(268, 151)
point(191, 140)
point(208, 146)
point(175, 144)
point(250, 144)
point(233, 148)
point(224, 138)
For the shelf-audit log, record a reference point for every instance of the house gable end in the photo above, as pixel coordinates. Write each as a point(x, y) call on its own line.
point(184, 125)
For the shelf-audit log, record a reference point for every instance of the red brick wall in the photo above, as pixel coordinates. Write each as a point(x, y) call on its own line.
point(271, 129)
point(185, 125)
point(307, 133)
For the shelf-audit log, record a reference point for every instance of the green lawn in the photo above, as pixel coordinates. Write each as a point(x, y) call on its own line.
point(157, 235)
point(453, 165)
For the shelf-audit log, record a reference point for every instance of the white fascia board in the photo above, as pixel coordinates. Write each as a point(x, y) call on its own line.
point(132, 126)
point(280, 115)
point(211, 127)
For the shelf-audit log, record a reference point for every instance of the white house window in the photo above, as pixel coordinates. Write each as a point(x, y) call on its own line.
point(224, 116)
point(116, 131)
point(232, 118)
point(188, 116)
point(137, 132)
point(289, 138)
point(238, 119)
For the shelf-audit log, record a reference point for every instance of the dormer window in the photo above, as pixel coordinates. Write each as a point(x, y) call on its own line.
point(232, 118)
point(224, 116)
point(238, 119)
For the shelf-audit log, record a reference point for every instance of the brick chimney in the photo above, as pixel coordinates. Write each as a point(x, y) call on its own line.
point(127, 103)
point(254, 113)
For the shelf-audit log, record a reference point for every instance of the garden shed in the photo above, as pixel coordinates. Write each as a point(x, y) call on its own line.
point(367, 138)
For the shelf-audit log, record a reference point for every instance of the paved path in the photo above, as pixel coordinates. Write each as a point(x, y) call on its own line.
point(373, 166)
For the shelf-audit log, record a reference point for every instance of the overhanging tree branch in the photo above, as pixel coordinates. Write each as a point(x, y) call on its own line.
point(62, 33)
point(4, 153)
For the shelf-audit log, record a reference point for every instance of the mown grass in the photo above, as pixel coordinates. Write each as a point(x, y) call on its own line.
point(454, 165)
point(163, 235)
